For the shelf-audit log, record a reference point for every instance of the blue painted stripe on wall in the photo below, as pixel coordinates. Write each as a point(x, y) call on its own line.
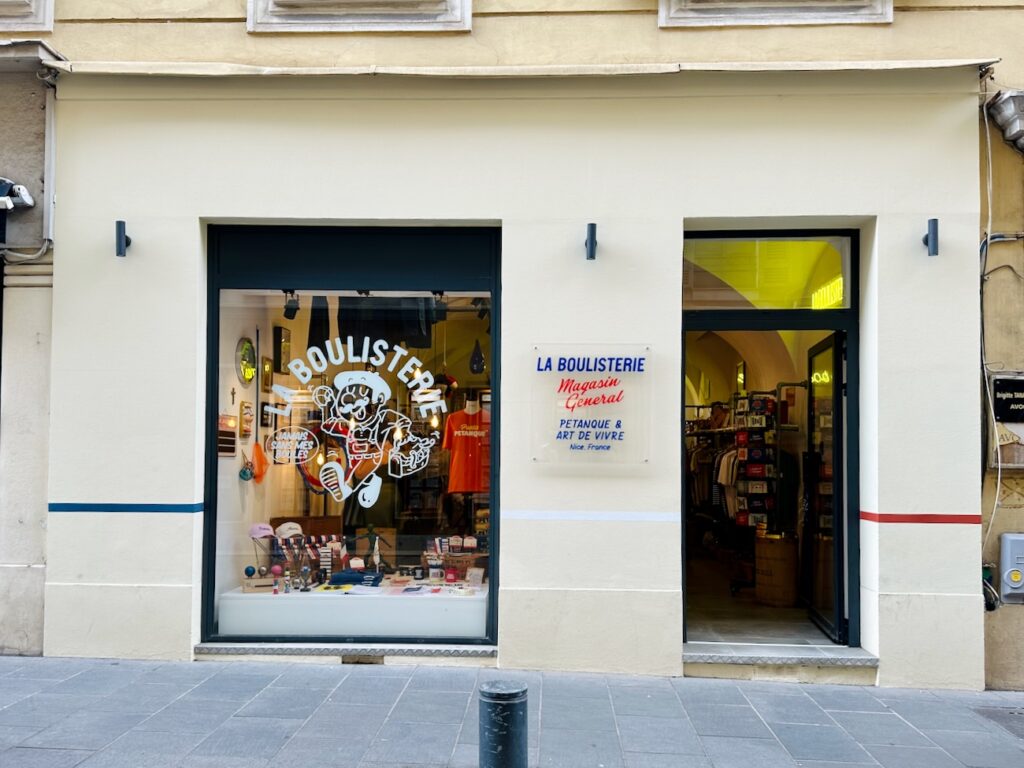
point(76, 507)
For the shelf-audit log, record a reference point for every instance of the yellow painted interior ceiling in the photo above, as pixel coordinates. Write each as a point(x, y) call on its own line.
point(764, 274)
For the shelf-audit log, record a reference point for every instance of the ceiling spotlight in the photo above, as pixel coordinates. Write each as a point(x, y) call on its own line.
point(291, 305)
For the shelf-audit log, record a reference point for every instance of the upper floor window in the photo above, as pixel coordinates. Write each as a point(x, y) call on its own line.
point(359, 15)
point(26, 15)
point(725, 13)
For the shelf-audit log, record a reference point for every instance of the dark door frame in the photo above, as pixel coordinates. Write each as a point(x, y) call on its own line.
point(844, 320)
point(348, 258)
point(836, 627)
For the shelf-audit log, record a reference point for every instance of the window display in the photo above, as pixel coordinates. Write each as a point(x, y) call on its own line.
point(357, 504)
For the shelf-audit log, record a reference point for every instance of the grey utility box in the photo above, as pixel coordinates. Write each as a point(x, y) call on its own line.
point(1011, 568)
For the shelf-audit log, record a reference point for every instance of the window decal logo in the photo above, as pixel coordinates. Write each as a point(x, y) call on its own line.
point(362, 436)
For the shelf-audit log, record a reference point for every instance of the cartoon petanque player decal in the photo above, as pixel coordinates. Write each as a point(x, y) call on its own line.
point(369, 435)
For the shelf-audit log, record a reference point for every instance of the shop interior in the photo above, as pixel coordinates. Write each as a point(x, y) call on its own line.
point(747, 451)
point(760, 445)
point(354, 443)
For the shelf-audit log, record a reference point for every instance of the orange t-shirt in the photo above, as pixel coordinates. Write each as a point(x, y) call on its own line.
point(468, 437)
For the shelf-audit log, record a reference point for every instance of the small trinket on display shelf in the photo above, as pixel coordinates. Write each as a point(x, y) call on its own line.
point(375, 555)
point(324, 558)
point(342, 553)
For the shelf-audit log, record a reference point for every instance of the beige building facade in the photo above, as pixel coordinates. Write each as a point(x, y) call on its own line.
point(251, 149)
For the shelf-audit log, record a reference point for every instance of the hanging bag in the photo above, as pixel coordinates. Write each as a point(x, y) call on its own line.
point(247, 471)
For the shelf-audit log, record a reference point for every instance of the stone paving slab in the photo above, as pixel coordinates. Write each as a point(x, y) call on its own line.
point(100, 713)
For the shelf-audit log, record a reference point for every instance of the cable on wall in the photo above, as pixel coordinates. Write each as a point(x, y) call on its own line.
point(989, 367)
point(14, 257)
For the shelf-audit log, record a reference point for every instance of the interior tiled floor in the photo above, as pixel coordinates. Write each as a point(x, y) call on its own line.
point(713, 615)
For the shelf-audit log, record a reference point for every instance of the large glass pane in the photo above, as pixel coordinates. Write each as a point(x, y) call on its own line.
point(766, 273)
point(354, 472)
point(746, 477)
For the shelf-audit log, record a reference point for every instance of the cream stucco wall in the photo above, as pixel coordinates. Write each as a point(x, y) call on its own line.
point(24, 411)
point(590, 568)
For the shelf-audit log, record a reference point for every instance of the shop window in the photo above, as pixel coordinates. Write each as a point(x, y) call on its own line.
point(26, 15)
point(353, 478)
point(725, 13)
point(766, 273)
point(359, 15)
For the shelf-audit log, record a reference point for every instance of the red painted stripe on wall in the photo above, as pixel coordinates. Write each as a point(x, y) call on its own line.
point(889, 517)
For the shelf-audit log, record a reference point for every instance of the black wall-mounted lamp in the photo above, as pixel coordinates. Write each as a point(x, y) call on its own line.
point(591, 242)
point(121, 239)
point(931, 239)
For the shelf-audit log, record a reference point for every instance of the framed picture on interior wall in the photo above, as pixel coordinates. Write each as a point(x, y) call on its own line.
point(246, 417)
point(227, 434)
point(282, 349)
point(266, 417)
point(266, 375)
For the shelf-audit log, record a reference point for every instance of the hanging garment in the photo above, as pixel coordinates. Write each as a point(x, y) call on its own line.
point(319, 323)
point(468, 437)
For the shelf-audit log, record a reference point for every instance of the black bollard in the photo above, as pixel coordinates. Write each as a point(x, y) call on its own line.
point(503, 724)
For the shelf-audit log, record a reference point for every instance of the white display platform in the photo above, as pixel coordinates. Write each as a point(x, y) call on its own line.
point(336, 613)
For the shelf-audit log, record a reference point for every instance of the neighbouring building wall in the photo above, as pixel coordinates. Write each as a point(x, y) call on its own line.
point(569, 32)
point(1003, 294)
point(23, 128)
point(24, 420)
point(24, 374)
point(528, 32)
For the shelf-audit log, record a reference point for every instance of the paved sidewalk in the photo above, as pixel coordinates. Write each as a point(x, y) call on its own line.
point(59, 713)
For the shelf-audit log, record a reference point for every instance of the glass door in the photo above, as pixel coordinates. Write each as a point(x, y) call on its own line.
point(823, 488)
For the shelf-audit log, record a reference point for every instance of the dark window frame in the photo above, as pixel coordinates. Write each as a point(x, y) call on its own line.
point(404, 258)
point(844, 320)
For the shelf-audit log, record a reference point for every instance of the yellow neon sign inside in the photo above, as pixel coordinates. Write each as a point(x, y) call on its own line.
point(829, 295)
